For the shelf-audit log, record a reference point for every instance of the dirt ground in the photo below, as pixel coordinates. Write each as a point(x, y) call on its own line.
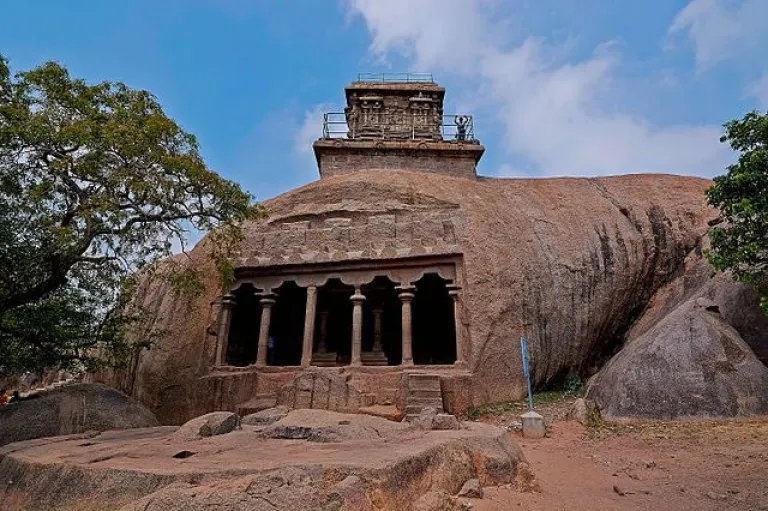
point(649, 465)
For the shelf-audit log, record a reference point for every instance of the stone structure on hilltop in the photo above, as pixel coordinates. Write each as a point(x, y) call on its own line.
point(403, 278)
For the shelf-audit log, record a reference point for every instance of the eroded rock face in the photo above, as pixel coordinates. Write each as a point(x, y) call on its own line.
point(70, 409)
point(569, 262)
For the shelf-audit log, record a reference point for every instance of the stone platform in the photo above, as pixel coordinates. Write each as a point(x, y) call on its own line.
point(340, 389)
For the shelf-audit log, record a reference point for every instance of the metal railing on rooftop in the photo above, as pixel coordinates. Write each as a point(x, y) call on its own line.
point(399, 127)
point(395, 78)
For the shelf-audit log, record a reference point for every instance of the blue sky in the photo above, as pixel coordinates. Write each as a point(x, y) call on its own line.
point(557, 87)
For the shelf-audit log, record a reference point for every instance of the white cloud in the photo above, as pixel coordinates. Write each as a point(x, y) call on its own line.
point(556, 113)
point(759, 90)
point(427, 31)
point(723, 29)
point(311, 128)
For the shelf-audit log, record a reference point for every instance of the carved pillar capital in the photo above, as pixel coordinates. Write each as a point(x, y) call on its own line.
point(267, 300)
point(406, 294)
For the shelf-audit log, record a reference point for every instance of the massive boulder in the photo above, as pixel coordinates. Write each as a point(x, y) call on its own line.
point(570, 262)
point(72, 409)
point(692, 354)
point(691, 364)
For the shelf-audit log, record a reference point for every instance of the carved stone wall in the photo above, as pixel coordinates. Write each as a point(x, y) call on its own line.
point(352, 235)
point(340, 156)
point(394, 111)
point(339, 389)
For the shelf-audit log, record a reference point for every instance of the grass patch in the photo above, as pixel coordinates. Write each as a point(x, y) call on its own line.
point(517, 407)
point(476, 412)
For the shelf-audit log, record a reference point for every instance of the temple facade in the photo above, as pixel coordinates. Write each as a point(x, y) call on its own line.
point(337, 308)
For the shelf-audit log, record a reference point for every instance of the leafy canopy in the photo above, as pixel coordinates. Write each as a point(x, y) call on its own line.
point(96, 182)
point(741, 243)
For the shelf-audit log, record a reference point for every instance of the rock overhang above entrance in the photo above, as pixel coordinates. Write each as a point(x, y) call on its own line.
point(353, 236)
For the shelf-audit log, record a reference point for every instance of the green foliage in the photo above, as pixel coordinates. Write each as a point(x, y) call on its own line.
point(740, 244)
point(573, 385)
point(96, 183)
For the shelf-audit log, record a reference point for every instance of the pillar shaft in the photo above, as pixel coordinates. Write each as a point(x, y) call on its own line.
point(460, 357)
point(406, 297)
point(266, 315)
point(309, 326)
point(357, 327)
point(225, 321)
point(322, 345)
point(377, 330)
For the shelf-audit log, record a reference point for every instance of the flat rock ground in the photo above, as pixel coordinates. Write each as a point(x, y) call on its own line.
point(692, 465)
point(295, 463)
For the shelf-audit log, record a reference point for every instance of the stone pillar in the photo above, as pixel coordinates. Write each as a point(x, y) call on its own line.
point(309, 327)
point(377, 347)
point(225, 321)
point(267, 301)
point(406, 297)
point(376, 357)
point(357, 327)
point(322, 345)
point(460, 356)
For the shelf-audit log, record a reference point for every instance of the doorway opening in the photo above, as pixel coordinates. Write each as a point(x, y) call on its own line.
point(286, 327)
point(434, 328)
point(244, 327)
point(382, 320)
point(333, 324)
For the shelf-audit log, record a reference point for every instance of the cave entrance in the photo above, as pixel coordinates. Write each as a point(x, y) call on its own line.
point(333, 324)
point(286, 328)
point(382, 323)
point(434, 328)
point(244, 327)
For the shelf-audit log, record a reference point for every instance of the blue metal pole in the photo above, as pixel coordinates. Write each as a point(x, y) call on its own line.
point(526, 372)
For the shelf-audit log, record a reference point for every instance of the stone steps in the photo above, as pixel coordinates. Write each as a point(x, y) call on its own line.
point(424, 391)
point(432, 394)
point(424, 402)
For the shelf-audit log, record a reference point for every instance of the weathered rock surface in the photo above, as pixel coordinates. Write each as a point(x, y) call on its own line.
point(571, 262)
point(350, 494)
point(389, 412)
point(685, 359)
point(210, 424)
point(136, 469)
point(265, 417)
point(472, 489)
point(437, 501)
point(429, 418)
point(579, 411)
point(75, 408)
point(325, 426)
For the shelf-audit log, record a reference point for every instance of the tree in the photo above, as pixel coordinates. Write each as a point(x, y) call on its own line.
point(96, 183)
point(741, 243)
